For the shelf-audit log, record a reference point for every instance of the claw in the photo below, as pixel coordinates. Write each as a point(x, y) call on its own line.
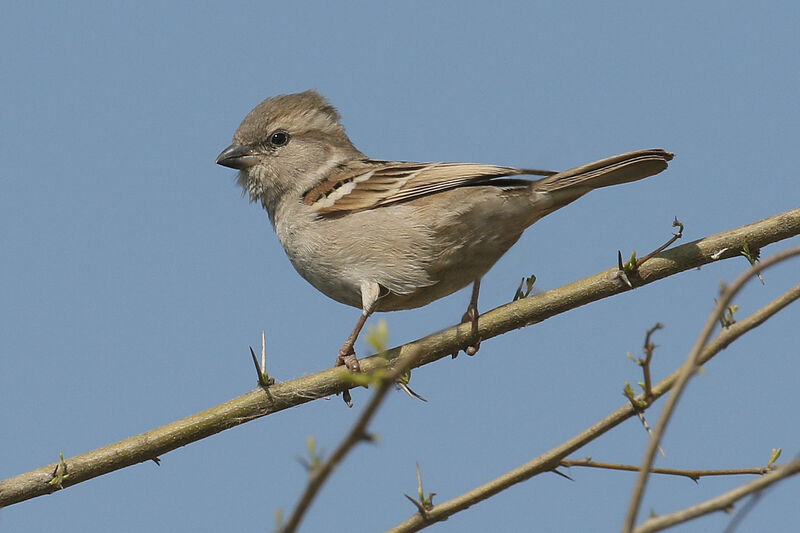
point(473, 348)
point(350, 361)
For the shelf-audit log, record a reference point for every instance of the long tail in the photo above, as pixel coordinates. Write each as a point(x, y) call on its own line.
point(556, 191)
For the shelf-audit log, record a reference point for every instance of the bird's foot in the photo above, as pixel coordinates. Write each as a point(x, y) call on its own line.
point(471, 317)
point(347, 357)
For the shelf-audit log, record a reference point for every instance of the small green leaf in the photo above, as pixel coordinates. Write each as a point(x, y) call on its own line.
point(60, 474)
point(628, 391)
point(776, 454)
point(378, 336)
point(752, 256)
point(727, 319)
point(314, 458)
point(311, 445)
point(630, 266)
point(525, 288)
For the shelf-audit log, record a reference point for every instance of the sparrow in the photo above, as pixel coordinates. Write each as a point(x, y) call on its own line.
point(388, 235)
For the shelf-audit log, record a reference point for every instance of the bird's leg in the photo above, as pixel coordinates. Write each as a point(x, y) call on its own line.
point(471, 316)
point(370, 292)
point(347, 354)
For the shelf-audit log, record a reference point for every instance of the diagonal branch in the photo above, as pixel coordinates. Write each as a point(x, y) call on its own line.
point(257, 403)
point(687, 370)
point(551, 459)
point(356, 434)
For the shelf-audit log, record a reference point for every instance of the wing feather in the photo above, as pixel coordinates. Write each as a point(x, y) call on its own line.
point(364, 184)
point(367, 183)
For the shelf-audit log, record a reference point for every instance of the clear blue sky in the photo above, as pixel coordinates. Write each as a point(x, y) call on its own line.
point(133, 275)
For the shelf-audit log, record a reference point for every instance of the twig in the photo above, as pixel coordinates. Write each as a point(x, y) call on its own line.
point(631, 267)
point(694, 475)
point(687, 370)
point(675, 236)
point(357, 433)
point(724, 501)
point(424, 501)
point(648, 350)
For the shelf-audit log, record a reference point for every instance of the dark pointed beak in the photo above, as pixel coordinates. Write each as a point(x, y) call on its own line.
point(238, 157)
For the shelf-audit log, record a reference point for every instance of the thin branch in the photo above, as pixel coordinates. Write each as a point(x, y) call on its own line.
point(259, 402)
point(722, 502)
point(357, 433)
point(751, 503)
point(648, 350)
point(550, 460)
point(319, 475)
point(694, 475)
point(687, 370)
point(675, 236)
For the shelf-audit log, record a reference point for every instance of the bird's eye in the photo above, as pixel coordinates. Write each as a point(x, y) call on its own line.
point(279, 138)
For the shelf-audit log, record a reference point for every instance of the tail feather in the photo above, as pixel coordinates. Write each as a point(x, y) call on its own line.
point(621, 168)
point(558, 190)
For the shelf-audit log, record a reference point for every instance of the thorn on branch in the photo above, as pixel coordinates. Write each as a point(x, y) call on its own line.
point(264, 379)
point(419, 506)
point(370, 437)
point(562, 474)
point(525, 288)
point(623, 269)
point(424, 503)
point(402, 383)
